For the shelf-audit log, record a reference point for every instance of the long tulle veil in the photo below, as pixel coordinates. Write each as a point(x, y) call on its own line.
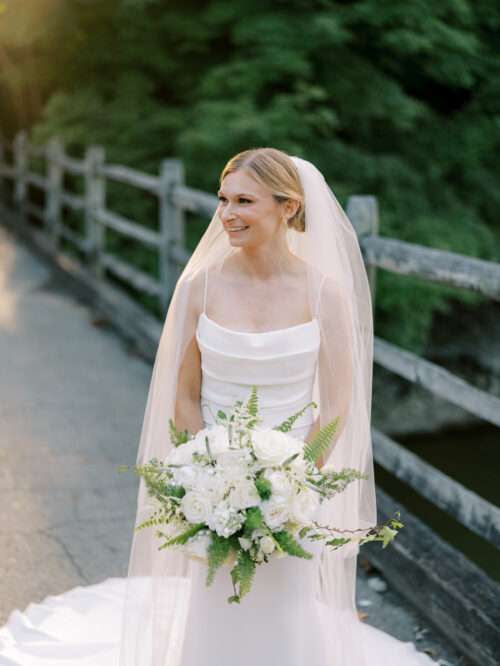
point(158, 584)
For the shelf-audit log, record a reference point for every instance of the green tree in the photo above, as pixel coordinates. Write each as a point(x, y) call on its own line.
point(390, 98)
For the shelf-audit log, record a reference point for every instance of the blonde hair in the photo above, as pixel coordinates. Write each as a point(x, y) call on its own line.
point(274, 169)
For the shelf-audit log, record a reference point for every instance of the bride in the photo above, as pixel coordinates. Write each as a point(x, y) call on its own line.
point(275, 295)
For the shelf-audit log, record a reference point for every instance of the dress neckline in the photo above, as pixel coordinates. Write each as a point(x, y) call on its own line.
point(314, 320)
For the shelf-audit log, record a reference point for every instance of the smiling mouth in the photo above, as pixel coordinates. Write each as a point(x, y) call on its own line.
point(234, 229)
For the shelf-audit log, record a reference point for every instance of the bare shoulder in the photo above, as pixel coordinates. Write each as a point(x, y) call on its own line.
point(192, 287)
point(331, 291)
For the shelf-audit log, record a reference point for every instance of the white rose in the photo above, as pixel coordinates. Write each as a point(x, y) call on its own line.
point(185, 476)
point(212, 484)
point(244, 495)
point(179, 455)
point(267, 545)
point(281, 485)
point(304, 505)
point(183, 453)
point(273, 447)
point(233, 462)
point(275, 513)
point(196, 507)
point(218, 440)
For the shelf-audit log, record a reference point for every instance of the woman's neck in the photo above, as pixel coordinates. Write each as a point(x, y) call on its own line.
point(264, 263)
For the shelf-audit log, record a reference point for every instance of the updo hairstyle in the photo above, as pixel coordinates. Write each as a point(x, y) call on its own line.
point(276, 170)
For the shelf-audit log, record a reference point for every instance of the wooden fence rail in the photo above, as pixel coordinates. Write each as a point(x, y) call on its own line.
point(175, 198)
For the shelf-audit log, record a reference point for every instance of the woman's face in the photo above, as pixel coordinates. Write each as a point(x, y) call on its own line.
point(248, 211)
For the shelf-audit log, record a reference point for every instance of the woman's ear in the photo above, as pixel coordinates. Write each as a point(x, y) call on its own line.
point(291, 207)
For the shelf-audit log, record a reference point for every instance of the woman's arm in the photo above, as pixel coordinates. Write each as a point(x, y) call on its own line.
point(187, 406)
point(336, 369)
point(188, 414)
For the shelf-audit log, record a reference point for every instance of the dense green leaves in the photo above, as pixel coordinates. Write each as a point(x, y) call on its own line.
point(390, 98)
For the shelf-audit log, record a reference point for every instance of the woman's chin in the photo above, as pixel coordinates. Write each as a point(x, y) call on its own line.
point(234, 240)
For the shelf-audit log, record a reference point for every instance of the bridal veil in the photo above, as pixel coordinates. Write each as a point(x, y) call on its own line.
point(158, 584)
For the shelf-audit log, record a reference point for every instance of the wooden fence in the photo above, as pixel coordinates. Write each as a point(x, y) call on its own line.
point(175, 198)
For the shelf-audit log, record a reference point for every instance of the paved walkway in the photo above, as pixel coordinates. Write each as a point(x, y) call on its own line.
point(71, 406)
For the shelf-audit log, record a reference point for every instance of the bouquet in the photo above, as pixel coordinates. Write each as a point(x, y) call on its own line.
point(240, 494)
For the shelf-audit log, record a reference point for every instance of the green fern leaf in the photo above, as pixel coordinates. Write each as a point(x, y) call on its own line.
point(287, 424)
point(321, 441)
point(184, 537)
point(291, 546)
point(218, 551)
point(242, 575)
point(340, 541)
point(254, 520)
point(252, 404)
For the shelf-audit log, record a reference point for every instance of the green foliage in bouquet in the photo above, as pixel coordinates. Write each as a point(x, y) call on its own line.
point(290, 545)
point(263, 487)
point(177, 437)
point(218, 551)
point(288, 423)
point(242, 576)
point(320, 443)
point(183, 538)
point(241, 545)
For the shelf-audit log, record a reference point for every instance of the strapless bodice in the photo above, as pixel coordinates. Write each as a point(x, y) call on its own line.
point(281, 363)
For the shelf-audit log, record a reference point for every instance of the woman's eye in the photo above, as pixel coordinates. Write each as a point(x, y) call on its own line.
point(241, 199)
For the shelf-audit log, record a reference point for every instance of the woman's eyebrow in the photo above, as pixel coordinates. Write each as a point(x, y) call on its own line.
point(241, 194)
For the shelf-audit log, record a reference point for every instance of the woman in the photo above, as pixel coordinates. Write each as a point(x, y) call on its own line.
point(276, 295)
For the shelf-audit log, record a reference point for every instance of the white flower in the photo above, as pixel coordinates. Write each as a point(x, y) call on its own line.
point(213, 484)
point(246, 544)
point(185, 476)
point(244, 495)
point(196, 507)
point(197, 546)
point(275, 513)
point(281, 485)
point(183, 453)
point(304, 505)
point(299, 466)
point(273, 447)
point(233, 462)
point(218, 440)
point(267, 545)
point(225, 520)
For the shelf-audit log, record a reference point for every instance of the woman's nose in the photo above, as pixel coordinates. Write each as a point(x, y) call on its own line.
point(226, 213)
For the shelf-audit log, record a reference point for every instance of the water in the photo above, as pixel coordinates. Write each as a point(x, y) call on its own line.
point(470, 456)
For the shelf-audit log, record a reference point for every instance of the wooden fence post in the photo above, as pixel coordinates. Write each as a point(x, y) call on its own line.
point(21, 169)
point(53, 203)
point(171, 226)
point(362, 210)
point(95, 200)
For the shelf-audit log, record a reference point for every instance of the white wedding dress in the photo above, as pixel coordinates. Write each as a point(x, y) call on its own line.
point(279, 622)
